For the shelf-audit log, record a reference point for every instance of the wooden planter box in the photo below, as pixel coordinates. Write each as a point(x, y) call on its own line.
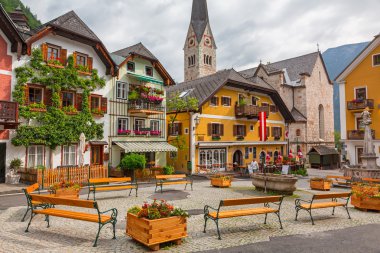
point(38, 109)
point(365, 203)
point(153, 232)
point(67, 193)
point(320, 185)
point(217, 182)
point(116, 173)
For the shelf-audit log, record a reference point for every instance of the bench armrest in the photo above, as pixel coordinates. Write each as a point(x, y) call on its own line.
point(113, 215)
point(298, 201)
point(275, 203)
point(206, 209)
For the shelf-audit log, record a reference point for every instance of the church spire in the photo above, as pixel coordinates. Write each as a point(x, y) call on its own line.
point(199, 17)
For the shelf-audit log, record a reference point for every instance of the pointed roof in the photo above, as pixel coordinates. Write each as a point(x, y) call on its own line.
point(298, 116)
point(199, 17)
point(10, 30)
point(138, 49)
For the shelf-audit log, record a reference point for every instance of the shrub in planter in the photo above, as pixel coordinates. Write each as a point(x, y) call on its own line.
point(221, 180)
point(65, 189)
point(168, 170)
point(366, 196)
point(15, 164)
point(133, 162)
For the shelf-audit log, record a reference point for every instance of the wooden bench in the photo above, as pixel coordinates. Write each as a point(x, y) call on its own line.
point(309, 205)
point(371, 180)
point(29, 190)
point(162, 180)
point(216, 214)
point(111, 184)
point(340, 180)
point(100, 217)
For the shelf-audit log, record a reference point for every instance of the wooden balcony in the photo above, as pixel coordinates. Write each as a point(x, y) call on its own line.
point(145, 107)
point(250, 111)
point(360, 104)
point(358, 134)
point(8, 114)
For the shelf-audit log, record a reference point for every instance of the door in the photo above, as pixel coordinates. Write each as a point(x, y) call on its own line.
point(359, 153)
point(238, 158)
point(97, 155)
point(3, 147)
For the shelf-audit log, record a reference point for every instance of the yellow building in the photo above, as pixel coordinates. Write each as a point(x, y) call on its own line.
point(225, 129)
point(358, 89)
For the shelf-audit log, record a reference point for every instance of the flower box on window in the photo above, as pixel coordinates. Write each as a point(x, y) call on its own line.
point(97, 113)
point(141, 133)
point(55, 63)
point(216, 137)
point(37, 107)
point(124, 132)
point(277, 138)
point(240, 138)
point(155, 133)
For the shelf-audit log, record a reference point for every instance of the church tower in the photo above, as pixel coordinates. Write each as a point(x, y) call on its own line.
point(200, 47)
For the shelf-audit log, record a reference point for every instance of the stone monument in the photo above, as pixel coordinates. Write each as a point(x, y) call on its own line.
point(369, 168)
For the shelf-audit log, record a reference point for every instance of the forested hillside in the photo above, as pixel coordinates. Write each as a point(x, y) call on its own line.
point(10, 5)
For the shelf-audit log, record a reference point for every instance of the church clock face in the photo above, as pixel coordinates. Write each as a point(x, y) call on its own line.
point(191, 41)
point(208, 41)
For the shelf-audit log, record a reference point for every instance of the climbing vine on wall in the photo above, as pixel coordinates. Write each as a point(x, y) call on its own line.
point(54, 127)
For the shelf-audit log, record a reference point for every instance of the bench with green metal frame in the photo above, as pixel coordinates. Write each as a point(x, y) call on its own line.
point(162, 180)
point(216, 214)
point(100, 217)
point(29, 190)
point(111, 184)
point(309, 205)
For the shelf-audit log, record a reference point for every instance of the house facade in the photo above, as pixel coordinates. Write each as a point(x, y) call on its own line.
point(137, 107)
point(64, 43)
point(225, 131)
point(357, 90)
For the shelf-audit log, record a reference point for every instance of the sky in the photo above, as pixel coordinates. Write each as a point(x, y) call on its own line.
point(246, 31)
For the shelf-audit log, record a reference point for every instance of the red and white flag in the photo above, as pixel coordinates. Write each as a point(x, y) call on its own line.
point(263, 126)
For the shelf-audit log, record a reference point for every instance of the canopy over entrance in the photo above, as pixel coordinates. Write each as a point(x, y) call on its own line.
point(143, 147)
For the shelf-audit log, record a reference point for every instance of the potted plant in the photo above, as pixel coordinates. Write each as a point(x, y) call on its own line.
point(65, 189)
point(156, 223)
point(12, 176)
point(221, 180)
point(365, 196)
point(318, 183)
point(133, 95)
point(133, 162)
point(124, 132)
point(168, 170)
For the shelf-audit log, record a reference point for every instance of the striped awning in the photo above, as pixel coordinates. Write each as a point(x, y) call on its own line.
point(141, 147)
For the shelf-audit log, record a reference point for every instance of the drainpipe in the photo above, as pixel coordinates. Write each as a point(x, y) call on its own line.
point(191, 141)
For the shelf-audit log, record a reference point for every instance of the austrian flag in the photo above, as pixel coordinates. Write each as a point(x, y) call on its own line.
point(263, 126)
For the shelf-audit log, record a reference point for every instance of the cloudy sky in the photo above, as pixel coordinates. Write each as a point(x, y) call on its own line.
point(245, 30)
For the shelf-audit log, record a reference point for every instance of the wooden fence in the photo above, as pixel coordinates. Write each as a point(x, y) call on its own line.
point(79, 175)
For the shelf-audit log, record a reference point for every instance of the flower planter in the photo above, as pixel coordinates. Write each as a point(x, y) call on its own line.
point(84, 73)
point(284, 184)
point(320, 185)
point(153, 232)
point(365, 203)
point(38, 109)
point(56, 66)
point(71, 113)
point(220, 182)
point(67, 193)
point(97, 115)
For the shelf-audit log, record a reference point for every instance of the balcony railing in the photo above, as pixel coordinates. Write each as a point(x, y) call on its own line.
point(360, 104)
point(144, 132)
point(250, 111)
point(8, 114)
point(358, 134)
point(145, 107)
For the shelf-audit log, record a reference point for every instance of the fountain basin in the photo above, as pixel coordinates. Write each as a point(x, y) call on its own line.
point(284, 184)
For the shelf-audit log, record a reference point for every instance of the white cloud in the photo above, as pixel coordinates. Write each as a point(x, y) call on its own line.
point(245, 30)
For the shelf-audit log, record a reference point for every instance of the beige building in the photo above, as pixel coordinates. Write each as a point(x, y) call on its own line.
point(305, 87)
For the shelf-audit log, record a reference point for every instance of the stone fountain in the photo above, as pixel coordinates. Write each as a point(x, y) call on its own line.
point(369, 168)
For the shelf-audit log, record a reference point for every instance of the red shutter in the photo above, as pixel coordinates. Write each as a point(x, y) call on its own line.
point(235, 130)
point(209, 129)
point(89, 63)
point(26, 94)
point(75, 58)
point(245, 130)
point(63, 57)
point(221, 130)
point(44, 49)
point(47, 97)
point(78, 101)
point(104, 105)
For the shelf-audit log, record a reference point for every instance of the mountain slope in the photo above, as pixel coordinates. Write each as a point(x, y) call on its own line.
point(10, 5)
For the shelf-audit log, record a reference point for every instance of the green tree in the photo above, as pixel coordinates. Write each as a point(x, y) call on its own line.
point(11, 5)
point(337, 139)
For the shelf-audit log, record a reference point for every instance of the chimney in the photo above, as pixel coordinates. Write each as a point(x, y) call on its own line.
point(19, 18)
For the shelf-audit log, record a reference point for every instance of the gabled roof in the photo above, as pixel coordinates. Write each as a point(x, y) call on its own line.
point(206, 87)
point(138, 49)
point(298, 116)
point(323, 150)
point(359, 58)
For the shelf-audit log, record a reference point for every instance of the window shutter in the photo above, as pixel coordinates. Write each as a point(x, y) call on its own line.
point(179, 128)
point(280, 130)
point(209, 129)
point(274, 132)
point(78, 101)
point(245, 130)
point(217, 101)
point(75, 58)
point(26, 94)
point(170, 129)
point(235, 130)
point(268, 132)
point(63, 56)
point(221, 130)
point(44, 49)
point(47, 97)
point(89, 63)
point(104, 105)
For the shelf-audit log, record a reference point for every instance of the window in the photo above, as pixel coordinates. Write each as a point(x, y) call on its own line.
point(241, 98)
point(246, 153)
point(254, 152)
point(273, 108)
point(277, 132)
point(361, 93)
point(268, 132)
point(173, 155)
point(121, 90)
point(81, 59)
point(210, 60)
point(95, 102)
point(185, 93)
point(131, 66)
point(376, 60)
point(216, 129)
point(214, 101)
point(69, 155)
point(122, 124)
point(35, 156)
point(264, 104)
point(186, 131)
point(175, 129)
point(321, 122)
point(35, 95)
point(148, 71)
point(359, 124)
point(67, 99)
point(53, 52)
point(239, 130)
point(139, 124)
point(251, 128)
point(226, 101)
point(155, 125)
point(298, 132)
point(254, 100)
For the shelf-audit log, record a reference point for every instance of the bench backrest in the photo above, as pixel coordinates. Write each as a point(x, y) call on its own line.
point(109, 180)
point(250, 201)
point(170, 176)
point(63, 201)
point(375, 180)
point(32, 188)
point(338, 177)
point(332, 195)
